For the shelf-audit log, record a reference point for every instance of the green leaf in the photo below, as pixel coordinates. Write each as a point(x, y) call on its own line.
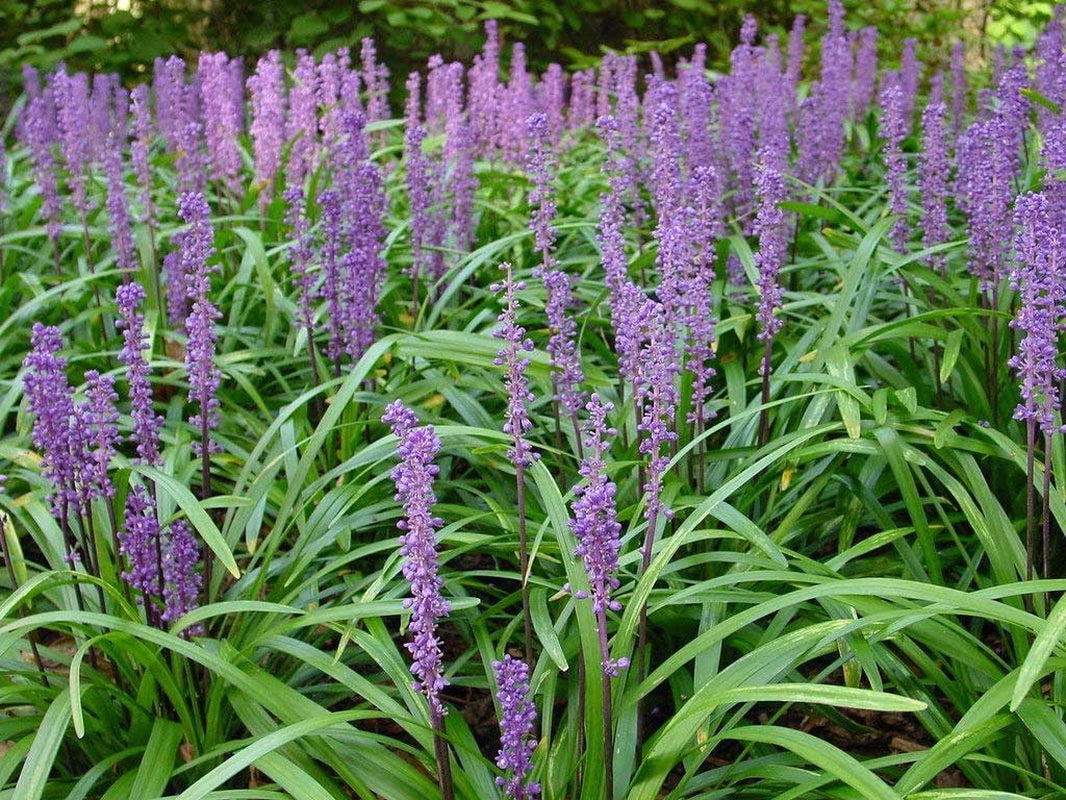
point(158, 761)
point(951, 354)
point(1046, 641)
point(33, 780)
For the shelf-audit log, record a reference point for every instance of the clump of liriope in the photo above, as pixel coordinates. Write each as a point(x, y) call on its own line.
point(414, 477)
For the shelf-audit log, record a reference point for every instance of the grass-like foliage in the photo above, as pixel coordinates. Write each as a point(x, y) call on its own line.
point(739, 480)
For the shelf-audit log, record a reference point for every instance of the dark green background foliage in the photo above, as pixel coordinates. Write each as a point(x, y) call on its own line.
point(103, 36)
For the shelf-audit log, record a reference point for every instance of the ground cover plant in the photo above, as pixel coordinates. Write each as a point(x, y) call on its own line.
point(642, 432)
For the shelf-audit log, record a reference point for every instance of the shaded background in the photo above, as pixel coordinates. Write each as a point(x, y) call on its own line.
point(126, 35)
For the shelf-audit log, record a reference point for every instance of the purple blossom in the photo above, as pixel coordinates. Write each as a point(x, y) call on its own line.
point(984, 190)
point(302, 124)
point(197, 248)
point(139, 147)
point(301, 254)
point(267, 90)
point(141, 543)
point(363, 207)
point(794, 63)
point(485, 93)
point(414, 477)
point(181, 579)
point(627, 301)
point(376, 79)
point(510, 356)
point(958, 88)
point(223, 108)
point(329, 260)
point(658, 394)
point(540, 168)
point(51, 401)
point(582, 110)
point(518, 104)
point(596, 526)
point(771, 224)
point(40, 134)
point(737, 118)
point(864, 80)
point(909, 77)
point(518, 717)
point(146, 423)
point(551, 97)
point(416, 177)
point(101, 430)
point(118, 208)
point(934, 176)
point(1038, 275)
point(72, 104)
point(822, 115)
point(894, 129)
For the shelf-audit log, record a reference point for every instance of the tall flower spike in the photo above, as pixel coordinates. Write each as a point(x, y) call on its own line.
point(51, 401)
point(181, 579)
point(518, 717)
point(139, 147)
point(416, 179)
point(567, 374)
point(934, 177)
point(118, 208)
point(511, 356)
point(197, 249)
point(40, 135)
point(595, 523)
point(101, 429)
point(267, 88)
point(1040, 251)
point(894, 129)
point(146, 423)
point(140, 542)
point(223, 113)
point(414, 477)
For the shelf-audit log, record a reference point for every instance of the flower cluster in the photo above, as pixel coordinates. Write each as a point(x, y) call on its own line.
point(413, 478)
point(518, 717)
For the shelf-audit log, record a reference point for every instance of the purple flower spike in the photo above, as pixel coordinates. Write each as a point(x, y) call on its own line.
point(416, 177)
point(51, 401)
point(376, 80)
point(596, 525)
point(540, 168)
point(40, 135)
point(1038, 276)
point(181, 580)
point(101, 422)
point(413, 478)
point(895, 126)
point(196, 249)
point(118, 208)
point(518, 717)
point(934, 175)
point(510, 356)
point(141, 544)
point(139, 147)
point(267, 88)
point(864, 83)
point(146, 423)
point(301, 127)
point(659, 396)
point(223, 113)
